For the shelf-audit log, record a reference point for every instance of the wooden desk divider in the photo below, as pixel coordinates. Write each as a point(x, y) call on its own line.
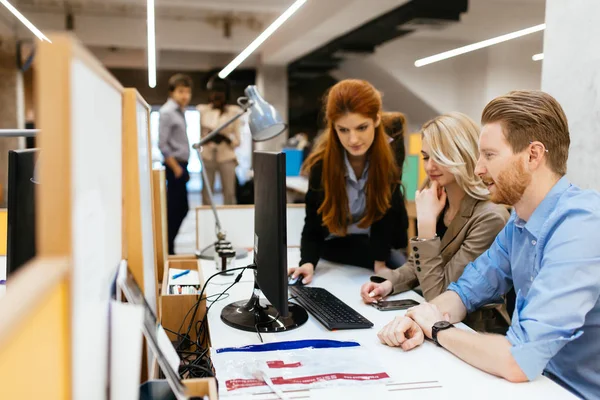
point(35, 339)
point(55, 313)
point(138, 216)
point(79, 107)
point(159, 206)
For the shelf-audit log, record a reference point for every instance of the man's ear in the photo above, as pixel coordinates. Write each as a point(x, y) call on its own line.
point(537, 153)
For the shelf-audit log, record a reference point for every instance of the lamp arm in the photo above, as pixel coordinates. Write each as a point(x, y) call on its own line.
point(245, 107)
point(220, 233)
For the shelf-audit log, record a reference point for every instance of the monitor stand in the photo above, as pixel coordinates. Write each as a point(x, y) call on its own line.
point(251, 315)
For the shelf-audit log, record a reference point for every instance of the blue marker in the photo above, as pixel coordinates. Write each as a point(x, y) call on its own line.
point(179, 275)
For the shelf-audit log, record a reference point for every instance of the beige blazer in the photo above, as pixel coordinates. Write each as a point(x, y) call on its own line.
point(434, 264)
point(211, 118)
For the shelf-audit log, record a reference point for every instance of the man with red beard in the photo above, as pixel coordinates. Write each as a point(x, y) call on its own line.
point(548, 252)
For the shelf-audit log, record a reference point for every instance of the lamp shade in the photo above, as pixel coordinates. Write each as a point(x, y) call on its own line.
point(265, 121)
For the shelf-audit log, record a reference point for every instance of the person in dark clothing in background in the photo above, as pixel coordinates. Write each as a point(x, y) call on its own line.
point(175, 148)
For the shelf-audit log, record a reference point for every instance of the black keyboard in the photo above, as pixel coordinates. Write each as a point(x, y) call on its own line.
point(328, 309)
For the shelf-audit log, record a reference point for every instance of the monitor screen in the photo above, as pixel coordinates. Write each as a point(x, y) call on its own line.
point(21, 209)
point(270, 228)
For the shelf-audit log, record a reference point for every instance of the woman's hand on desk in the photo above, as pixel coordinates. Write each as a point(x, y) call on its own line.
point(372, 292)
point(306, 270)
point(402, 332)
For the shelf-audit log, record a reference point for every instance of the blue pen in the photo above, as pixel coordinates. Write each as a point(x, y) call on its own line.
point(179, 275)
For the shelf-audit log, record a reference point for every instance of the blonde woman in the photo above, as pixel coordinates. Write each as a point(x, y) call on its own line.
point(456, 221)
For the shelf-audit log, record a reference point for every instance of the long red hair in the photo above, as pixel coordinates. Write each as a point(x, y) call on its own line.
point(353, 96)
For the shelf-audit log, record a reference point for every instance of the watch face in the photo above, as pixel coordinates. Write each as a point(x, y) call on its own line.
point(442, 325)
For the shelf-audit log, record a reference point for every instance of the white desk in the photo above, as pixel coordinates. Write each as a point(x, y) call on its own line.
point(426, 365)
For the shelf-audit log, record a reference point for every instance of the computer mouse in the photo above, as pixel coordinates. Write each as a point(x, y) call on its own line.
point(295, 281)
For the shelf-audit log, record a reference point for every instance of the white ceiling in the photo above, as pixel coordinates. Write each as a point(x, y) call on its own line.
point(194, 31)
point(176, 6)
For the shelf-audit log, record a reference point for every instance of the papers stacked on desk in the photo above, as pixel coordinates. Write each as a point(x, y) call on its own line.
point(296, 365)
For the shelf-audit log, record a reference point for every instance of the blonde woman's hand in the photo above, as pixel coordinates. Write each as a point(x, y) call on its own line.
point(372, 292)
point(430, 202)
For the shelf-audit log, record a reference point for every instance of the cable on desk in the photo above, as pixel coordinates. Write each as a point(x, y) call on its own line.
point(207, 247)
point(201, 331)
point(227, 283)
point(196, 363)
point(197, 304)
point(264, 323)
point(218, 298)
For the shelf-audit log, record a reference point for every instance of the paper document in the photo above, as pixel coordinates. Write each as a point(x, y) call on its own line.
point(295, 365)
point(125, 350)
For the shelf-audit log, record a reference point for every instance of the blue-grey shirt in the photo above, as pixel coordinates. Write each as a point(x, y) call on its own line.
point(553, 261)
point(172, 132)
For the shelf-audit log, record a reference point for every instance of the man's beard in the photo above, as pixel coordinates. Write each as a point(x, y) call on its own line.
point(510, 185)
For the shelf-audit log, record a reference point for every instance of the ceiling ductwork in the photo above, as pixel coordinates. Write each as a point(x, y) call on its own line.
point(412, 16)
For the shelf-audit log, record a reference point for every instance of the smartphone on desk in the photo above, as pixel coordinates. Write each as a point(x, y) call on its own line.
point(391, 305)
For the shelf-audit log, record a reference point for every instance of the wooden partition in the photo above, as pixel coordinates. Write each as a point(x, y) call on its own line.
point(159, 206)
point(94, 163)
point(138, 216)
point(35, 345)
point(79, 110)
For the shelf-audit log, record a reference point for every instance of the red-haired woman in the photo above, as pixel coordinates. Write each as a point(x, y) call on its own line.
point(355, 212)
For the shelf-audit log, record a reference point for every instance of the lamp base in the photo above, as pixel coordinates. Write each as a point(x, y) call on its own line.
point(248, 316)
point(209, 254)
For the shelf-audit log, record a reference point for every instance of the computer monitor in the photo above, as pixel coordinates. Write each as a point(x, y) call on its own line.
point(270, 255)
point(21, 209)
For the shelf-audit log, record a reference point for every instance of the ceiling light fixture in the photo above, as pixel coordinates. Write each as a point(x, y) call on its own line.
point(261, 38)
point(537, 57)
point(25, 21)
point(151, 45)
point(479, 45)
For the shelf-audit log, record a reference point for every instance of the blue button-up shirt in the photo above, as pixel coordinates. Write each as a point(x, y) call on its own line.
point(553, 261)
point(172, 132)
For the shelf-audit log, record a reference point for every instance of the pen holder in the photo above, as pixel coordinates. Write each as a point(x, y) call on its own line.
point(174, 307)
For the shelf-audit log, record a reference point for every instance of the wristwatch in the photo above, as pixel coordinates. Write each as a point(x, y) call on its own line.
point(439, 326)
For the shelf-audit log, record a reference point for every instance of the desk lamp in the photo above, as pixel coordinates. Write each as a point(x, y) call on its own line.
point(265, 123)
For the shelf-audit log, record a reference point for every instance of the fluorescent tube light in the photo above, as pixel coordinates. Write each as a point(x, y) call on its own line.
point(151, 45)
point(479, 45)
point(261, 38)
point(537, 57)
point(25, 21)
